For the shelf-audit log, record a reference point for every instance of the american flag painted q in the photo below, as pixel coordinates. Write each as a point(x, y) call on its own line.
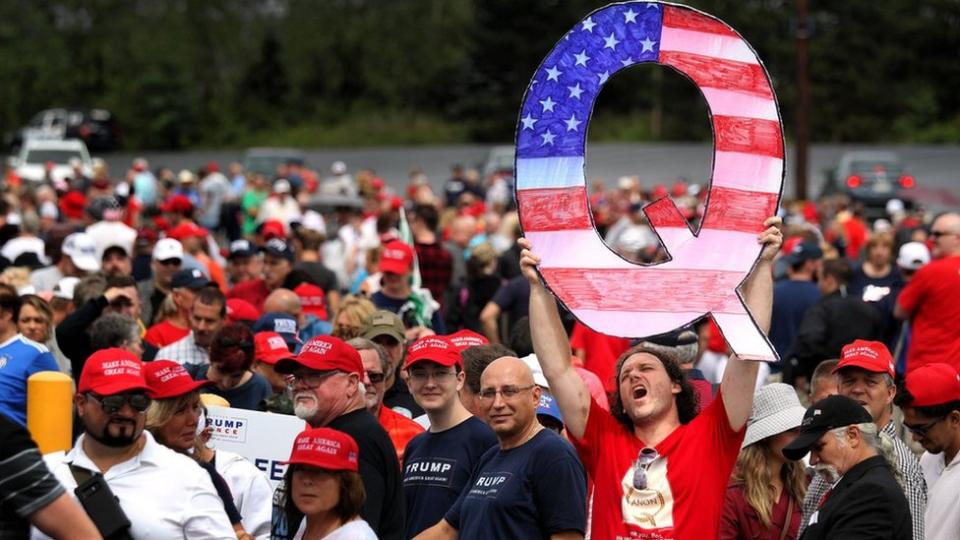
point(605, 291)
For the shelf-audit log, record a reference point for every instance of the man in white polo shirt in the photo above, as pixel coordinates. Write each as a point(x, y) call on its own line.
point(163, 494)
point(930, 400)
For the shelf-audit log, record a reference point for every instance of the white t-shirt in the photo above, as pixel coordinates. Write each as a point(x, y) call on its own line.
point(251, 492)
point(354, 530)
point(942, 516)
point(165, 495)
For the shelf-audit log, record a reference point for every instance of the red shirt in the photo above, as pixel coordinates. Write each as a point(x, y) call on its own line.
point(686, 484)
point(164, 333)
point(740, 520)
point(932, 298)
point(602, 352)
point(254, 291)
point(400, 428)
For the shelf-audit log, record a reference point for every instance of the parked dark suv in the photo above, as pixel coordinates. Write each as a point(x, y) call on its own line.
point(97, 128)
point(871, 178)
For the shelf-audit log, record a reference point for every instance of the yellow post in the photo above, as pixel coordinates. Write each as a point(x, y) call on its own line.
point(50, 410)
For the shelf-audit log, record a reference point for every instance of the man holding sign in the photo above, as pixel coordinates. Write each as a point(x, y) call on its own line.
point(658, 471)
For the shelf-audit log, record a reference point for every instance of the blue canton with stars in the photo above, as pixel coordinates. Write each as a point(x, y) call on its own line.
point(557, 106)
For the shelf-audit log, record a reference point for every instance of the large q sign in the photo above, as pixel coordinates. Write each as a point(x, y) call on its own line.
point(606, 292)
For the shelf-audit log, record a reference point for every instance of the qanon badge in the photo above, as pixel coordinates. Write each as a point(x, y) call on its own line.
point(647, 502)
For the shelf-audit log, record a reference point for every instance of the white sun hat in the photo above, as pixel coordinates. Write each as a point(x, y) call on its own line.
point(776, 408)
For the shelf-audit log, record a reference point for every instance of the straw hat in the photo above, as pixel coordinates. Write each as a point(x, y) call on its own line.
point(776, 409)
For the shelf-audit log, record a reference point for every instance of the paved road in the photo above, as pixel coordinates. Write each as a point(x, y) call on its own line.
point(936, 168)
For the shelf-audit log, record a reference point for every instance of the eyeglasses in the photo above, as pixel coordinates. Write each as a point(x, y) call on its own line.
point(170, 262)
point(922, 429)
point(422, 375)
point(645, 458)
point(490, 394)
point(112, 404)
point(376, 378)
point(310, 379)
point(938, 234)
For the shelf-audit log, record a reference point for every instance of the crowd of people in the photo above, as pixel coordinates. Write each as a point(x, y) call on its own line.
point(446, 393)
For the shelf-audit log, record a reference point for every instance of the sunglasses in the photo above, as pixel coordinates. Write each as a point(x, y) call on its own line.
point(938, 234)
point(376, 378)
point(922, 429)
point(139, 402)
point(170, 262)
point(645, 458)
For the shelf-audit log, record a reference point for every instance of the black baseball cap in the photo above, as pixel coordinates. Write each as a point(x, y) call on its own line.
point(804, 251)
point(190, 278)
point(278, 248)
point(242, 248)
point(829, 413)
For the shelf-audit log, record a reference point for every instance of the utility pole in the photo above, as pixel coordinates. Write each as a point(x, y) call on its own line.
point(803, 99)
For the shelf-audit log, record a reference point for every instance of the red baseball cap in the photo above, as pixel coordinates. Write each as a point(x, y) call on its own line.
point(437, 349)
point(869, 355)
point(325, 448)
point(270, 348)
point(323, 353)
point(397, 258)
point(72, 204)
point(177, 204)
point(312, 299)
point(168, 379)
point(464, 339)
point(273, 229)
point(186, 229)
point(241, 310)
point(933, 384)
point(112, 371)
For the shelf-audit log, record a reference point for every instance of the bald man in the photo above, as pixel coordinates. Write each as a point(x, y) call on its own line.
point(531, 485)
point(287, 301)
point(932, 297)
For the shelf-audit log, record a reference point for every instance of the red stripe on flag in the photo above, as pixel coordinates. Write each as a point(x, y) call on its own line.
point(688, 19)
point(554, 209)
point(642, 289)
point(749, 135)
point(663, 213)
point(710, 72)
point(730, 209)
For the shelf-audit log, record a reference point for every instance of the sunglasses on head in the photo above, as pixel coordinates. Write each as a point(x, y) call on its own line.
point(138, 401)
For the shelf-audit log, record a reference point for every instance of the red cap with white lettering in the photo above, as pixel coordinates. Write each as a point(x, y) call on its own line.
point(464, 339)
point(323, 353)
point(869, 355)
point(168, 379)
point(325, 448)
point(437, 349)
point(112, 371)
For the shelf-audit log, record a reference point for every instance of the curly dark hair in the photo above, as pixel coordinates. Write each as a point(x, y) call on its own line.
point(232, 348)
point(688, 403)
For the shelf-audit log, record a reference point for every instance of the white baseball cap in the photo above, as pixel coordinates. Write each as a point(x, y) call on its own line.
point(913, 255)
point(82, 250)
point(281, 186)
point(313, 221)
point(338, 167)
point(64, 287)
point(166, 249)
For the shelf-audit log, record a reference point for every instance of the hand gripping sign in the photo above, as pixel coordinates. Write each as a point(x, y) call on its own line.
point(605, 291)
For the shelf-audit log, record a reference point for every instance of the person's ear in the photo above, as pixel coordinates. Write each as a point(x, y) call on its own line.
point(461, 379)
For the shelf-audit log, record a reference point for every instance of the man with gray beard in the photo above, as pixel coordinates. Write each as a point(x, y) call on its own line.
point(848, 450)
point(328, 392)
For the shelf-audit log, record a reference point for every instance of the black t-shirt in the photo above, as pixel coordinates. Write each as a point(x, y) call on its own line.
point(532, 491)
point(871, 289)
point(436, 466)
point(398, 398)
point(26, 484)
point(379, 470)
point(320, 275)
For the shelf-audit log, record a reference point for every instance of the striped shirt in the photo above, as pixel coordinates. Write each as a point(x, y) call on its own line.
point(26, 485)
point(184, 352)
point(911, 479)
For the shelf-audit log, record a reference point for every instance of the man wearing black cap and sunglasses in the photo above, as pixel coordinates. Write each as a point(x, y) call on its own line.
point(865, 500)
point(160, 493)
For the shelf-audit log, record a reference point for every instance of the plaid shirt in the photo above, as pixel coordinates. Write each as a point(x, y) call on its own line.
point(436, 268)
point(184, 352)
point(912, 480)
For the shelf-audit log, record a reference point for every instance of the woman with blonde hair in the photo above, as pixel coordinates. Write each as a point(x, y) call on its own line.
point(765, 497)
point(348, 321)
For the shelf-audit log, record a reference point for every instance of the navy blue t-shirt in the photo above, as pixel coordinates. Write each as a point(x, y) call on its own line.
point(532, 491)
point(246, 396)
point(791, 299)
point(404, 308)
point(871, 289)
point(436, 466)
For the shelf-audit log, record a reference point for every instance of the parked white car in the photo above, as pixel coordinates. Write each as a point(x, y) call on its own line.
point(35, 154)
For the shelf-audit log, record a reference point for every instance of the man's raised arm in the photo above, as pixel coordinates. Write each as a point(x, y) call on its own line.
point(740, 376)
point(553, 349)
